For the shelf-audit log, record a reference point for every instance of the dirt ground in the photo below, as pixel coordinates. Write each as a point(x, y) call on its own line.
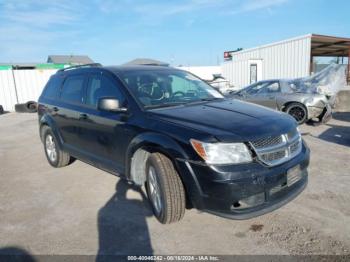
point(82, 210)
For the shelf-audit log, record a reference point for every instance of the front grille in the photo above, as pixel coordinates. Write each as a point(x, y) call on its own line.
point(278, 149)
point(269, 141)
point(274, 156)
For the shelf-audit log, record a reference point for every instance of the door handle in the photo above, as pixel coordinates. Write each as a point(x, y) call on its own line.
point(83, 116)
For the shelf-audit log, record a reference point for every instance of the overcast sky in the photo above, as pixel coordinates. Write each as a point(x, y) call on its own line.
point(187, 32)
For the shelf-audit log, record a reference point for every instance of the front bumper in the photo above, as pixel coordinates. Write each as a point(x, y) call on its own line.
point(324, 114)
point(247, 190)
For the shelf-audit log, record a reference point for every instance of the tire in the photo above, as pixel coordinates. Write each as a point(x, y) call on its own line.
point(298, 112)
point(32, 107)
point(171, 193)
point(29, 107)
point(55, 156)
point(1, 110)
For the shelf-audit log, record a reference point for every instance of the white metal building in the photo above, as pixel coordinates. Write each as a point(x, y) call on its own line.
point(21, 86)
point(23, 82)
point(291, 58)
point(204, 72)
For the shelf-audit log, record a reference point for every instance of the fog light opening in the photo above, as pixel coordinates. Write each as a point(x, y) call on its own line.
point(236, 205)
point(249, 202)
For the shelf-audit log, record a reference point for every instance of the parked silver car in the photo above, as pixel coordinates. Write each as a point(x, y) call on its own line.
point(284, 95)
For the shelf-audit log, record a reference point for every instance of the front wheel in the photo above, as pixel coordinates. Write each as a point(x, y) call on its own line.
point(164, 189)
point(298, 111)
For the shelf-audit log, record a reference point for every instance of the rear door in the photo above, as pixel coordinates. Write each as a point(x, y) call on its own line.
point(67, 113)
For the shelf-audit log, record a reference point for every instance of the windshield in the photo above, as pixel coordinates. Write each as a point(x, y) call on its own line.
point(163, 88)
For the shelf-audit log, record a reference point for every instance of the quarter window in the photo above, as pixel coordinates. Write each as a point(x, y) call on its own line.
point(72, 89)
point(52, 87)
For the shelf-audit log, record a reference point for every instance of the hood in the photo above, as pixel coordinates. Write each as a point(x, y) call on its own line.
point(229, 120)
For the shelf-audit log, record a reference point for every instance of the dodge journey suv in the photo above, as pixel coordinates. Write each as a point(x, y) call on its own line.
point(171, 132)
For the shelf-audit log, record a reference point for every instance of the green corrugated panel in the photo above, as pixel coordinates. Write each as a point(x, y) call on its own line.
point(50, 66)
point(5, 67)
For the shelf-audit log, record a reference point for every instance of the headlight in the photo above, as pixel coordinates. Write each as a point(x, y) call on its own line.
point(222, 153)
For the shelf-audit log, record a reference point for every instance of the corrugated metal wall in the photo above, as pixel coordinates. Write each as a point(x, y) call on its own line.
point(7, 90)
point(28, 83)
point(286, 59)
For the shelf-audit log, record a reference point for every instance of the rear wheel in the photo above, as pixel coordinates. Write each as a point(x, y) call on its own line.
point(55, 156)
point(165, 189)
point(298, 111)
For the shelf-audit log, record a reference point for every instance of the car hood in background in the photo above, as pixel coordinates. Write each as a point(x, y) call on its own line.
point(229, 120)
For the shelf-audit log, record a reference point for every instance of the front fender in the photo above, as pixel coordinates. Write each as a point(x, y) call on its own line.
point(154, 142)
point(159, 142)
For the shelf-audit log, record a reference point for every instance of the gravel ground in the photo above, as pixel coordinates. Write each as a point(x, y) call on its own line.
point(82, 210)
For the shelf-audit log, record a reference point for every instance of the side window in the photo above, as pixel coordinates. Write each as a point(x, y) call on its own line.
point(256, 88)
point(72, 89)
point(52, 87)
point(273, 87)
point(101, 86)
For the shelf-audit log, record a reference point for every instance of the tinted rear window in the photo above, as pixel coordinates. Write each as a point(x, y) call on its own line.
point(72, 89)
point(52, 87)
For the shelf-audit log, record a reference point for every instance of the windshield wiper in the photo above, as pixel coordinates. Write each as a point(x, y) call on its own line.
point(164, 105)
point(211, 98)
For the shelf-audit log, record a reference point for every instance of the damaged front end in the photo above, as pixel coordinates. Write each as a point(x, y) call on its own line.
point(319, 109)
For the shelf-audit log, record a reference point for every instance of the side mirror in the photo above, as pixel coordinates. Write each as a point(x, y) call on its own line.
point(110, 104)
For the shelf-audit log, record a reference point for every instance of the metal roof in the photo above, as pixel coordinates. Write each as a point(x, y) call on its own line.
point(272, 44)
point(146, 61)
point(69, 59)
point(19, 64)
point(322, 45)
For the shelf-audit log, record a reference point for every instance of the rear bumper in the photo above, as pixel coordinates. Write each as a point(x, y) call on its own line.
point(249, 190)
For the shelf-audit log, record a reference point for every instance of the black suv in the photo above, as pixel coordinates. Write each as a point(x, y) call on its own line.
point(172, 132)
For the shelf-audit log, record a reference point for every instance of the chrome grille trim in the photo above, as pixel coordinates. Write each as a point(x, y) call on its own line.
point(289, 145)
point(269, 141)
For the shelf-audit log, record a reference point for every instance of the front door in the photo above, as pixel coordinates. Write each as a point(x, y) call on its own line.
point(102, 134)
point(267, 95)
point(263, 93)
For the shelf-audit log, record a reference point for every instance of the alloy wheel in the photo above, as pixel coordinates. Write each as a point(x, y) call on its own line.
point(50, 147)
point(154, 190)
point(298, 113)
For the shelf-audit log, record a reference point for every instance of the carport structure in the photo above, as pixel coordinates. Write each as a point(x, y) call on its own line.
point(330, 46)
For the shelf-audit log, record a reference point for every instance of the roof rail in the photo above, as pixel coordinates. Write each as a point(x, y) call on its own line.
point(80, 66)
